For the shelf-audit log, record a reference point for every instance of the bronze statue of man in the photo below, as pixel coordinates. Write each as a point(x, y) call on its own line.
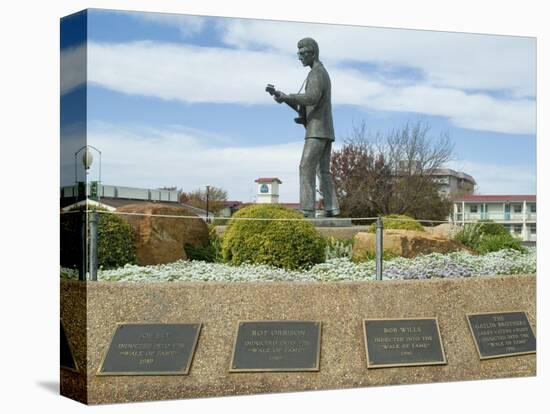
point(315, 110)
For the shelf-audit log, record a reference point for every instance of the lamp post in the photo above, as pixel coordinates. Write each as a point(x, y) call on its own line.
point(87, 161)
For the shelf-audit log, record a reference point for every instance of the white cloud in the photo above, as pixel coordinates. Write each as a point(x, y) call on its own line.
point(457, 60)
point(188, 73)
point(201, 74)
point(448, 59)
point(472, 111)
point(500, 179)
point(150, 158)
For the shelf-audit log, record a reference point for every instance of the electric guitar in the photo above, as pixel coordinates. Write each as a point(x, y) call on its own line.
point(301, 119)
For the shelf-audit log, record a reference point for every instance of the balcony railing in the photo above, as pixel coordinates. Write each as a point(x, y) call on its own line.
point(495, 216)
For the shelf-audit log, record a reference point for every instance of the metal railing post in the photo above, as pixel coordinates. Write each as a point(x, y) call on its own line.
point(93, 245)
point(379, 247)
point(82, 247)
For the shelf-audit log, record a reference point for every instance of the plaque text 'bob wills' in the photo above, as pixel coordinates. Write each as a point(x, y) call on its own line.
point(403, 342)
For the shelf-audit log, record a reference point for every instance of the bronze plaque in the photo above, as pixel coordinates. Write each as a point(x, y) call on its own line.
point(66, 359)
point(276, 346)
point(403, 342)
point(502, 334)
point(151, 349)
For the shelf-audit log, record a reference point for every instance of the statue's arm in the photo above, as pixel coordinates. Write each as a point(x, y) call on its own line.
point(281, 97)
point(311, 96)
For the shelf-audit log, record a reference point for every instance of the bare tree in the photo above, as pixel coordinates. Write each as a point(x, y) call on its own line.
point(393, 173)
point(197, 198)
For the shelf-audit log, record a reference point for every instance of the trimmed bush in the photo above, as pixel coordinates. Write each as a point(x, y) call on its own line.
point(115, 240)
point(401, 222)
point(285, 244)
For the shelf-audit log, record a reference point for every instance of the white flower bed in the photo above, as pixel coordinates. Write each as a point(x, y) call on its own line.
point(453, 265)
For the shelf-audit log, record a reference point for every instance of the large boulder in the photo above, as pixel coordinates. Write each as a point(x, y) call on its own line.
point(447, 230)
point(162, 239)
point(405, 243)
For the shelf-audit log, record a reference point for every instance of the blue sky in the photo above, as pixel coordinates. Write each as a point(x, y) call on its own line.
point(179, 100)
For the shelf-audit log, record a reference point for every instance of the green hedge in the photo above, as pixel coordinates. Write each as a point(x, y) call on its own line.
point(285, 244)
point(402, 222)
point(115, 240)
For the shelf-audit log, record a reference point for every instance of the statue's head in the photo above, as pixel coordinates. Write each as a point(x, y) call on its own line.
point(308, 51)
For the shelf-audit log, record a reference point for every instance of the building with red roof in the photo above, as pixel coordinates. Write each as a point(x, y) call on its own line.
point(518, 213)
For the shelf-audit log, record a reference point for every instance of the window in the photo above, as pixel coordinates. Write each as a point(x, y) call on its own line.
point(517, 228)
point(533, 208)
point(459, 208)
point(517, 208)
point(473, 209)
point(533, 229)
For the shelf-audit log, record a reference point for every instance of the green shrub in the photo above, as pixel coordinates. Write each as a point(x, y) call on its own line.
point(400, 222)
point(209, 253)
point(115, 240)
point(469, 235)
point(490, 227)
point(487, 236)
point(202, 253)
point(495, 242)
point(215, 242)
point(285, 244)
point(338, 248)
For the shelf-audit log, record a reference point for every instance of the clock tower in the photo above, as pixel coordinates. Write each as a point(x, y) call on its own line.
point(268, 190)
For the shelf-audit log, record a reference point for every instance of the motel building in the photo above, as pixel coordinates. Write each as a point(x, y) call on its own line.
point(518, 213)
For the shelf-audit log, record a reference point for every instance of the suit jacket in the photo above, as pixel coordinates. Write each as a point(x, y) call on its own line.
point(316, 99)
